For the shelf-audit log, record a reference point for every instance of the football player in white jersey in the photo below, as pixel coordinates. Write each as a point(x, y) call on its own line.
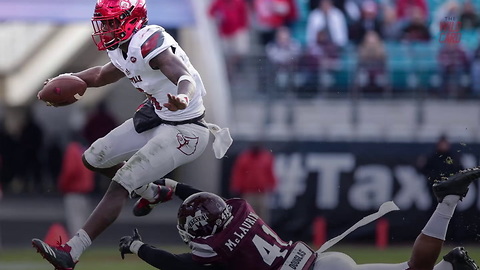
point(165, 133)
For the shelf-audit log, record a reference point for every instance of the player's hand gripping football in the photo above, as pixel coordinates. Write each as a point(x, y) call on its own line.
point(175, 103)
point(130, 244)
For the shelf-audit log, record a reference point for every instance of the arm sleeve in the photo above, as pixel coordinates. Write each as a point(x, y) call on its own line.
point(183, 191)
point(165, 260)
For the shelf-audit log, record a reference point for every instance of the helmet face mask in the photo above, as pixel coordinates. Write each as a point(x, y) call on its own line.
point(115, 21)
point(201, 215)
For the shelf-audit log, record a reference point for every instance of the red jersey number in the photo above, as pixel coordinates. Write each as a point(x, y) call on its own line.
point(152, 99)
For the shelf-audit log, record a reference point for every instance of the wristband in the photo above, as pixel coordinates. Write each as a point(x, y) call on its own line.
point(135, 246)
point(171, 184)
point(187, 78)
point(184, 97)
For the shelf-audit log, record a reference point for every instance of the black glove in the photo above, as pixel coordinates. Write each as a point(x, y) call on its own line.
point(126, 242)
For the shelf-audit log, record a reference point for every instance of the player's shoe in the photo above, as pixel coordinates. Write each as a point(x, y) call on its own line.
point(59, 256)
point(160, 182)
point(456, 184)
point(143, 206)
point(460, 260)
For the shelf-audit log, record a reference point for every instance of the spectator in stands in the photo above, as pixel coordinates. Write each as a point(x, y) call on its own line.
point(283, 54)
point(449, 9)
point(30, 150)
point(454, 66)
point(329, 18)
point(232, 20)
point(8, 154)
point(99, 123)
point(253, 178)
point(271, 14)
point(441, 162)
point(469, 16)
point(321, 56)
point(350, 8)
point(475, 72)
point(372, 62)
point(391, 26)
point(369, 21)
point(75, 182)
point(406, 8)
point(416, 29)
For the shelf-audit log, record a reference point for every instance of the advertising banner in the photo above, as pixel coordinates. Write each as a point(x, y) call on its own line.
point(343, 182)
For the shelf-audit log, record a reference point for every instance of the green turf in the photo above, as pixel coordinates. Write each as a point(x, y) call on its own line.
point(109, 258)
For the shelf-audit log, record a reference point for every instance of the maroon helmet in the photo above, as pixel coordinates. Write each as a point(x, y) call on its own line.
point(202, 214)
point(115, 21)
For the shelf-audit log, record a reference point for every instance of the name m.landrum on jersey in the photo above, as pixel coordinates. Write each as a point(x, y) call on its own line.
point(243, 230)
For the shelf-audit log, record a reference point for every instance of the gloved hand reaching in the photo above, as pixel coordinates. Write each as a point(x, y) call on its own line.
point(130, 244)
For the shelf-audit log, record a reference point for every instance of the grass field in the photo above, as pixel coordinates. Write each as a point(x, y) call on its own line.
point(109, 258)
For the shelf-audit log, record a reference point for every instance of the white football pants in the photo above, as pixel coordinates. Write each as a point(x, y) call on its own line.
point(149, 155)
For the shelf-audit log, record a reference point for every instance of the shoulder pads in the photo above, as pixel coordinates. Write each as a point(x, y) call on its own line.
point(154, 41)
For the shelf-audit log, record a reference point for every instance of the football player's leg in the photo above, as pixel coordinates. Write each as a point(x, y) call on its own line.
point(169, 149)
point(107, 152)
point(106, 155)
point(428, 245)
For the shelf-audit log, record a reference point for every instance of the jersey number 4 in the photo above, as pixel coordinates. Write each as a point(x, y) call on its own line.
point(268, 251)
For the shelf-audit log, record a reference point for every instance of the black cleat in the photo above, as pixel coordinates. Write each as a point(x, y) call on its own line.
point(143, 207)
point(58, 256)
point(460, 260)
point(456, 184)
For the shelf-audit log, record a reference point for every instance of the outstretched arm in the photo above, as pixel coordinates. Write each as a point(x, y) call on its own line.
point(165, 260)
point(183, 191)
point(176, 71)
point(160, 258)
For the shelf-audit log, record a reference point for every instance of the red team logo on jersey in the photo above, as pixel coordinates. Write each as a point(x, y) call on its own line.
point(187, 145)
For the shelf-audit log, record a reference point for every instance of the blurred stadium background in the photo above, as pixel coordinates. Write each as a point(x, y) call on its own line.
point(346, 137)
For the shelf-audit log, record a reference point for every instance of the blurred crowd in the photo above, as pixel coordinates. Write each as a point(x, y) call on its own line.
point(303, 40)
point(32, 162)
point(306, 44)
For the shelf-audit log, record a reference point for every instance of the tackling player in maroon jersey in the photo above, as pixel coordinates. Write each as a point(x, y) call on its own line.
point(228, 234)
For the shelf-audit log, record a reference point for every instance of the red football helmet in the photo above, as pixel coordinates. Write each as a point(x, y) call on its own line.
point(202, 214)
point(115, 21)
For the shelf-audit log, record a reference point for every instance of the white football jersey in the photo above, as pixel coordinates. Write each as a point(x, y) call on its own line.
point(147, 43)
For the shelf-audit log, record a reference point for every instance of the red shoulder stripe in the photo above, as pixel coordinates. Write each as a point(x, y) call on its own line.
point(153, 42)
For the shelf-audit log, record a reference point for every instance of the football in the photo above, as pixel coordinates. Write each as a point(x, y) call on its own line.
point(63, 90)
